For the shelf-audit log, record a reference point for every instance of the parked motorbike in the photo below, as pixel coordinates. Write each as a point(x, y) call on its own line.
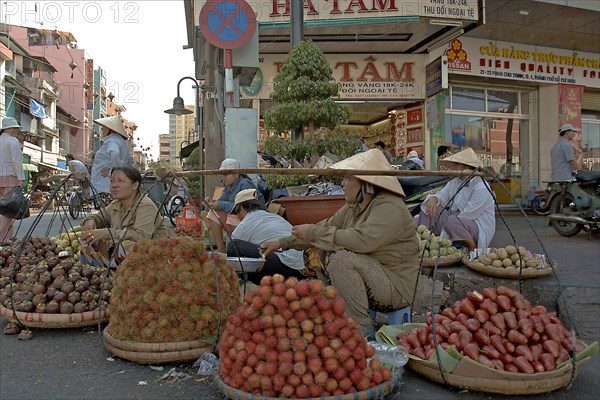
point(417, 188)
point(575, 204)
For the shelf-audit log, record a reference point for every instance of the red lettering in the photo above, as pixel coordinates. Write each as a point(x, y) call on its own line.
point(354, 3)
point(346, 68)
point(336, 7)
point(370, 69)
point(381, 5)
point(278, 65)
point(393, 73)
point(311, 8)
point(277, 4)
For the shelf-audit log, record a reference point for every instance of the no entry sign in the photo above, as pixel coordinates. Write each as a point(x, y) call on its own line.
point(227, 24)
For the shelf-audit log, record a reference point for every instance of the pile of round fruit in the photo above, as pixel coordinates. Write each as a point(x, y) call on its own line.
point(509, 257)
point(430, 245)
point(69, 240)
point(171, 290)
point(498, 328)
point(43, 282)
point(194, 231)
point(290, 339)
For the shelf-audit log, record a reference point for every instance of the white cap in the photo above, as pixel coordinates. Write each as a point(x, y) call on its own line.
point(568, 127)
point(230, 163)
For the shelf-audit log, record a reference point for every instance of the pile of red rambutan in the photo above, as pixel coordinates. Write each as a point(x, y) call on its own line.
point(291, 339)
point(171, 290)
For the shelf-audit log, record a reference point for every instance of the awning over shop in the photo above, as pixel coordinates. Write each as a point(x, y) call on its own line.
point(44, 165)
point(30, 167)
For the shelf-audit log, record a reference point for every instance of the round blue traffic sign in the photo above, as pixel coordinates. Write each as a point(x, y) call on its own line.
point(227, 24)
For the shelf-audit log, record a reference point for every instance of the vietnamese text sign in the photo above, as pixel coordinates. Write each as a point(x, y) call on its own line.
point(324, 10)
point(470, 56)
point(361, 76)
point(437, 75)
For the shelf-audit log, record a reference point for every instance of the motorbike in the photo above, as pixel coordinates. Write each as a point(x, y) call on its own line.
point(417, 188)
point(575, 205)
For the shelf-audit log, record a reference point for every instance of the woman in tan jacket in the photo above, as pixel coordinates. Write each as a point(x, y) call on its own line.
point(373, 262)
point(129, 218)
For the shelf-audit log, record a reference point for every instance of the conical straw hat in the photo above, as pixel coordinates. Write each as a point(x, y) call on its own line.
point(372, 160)
point(465, 157)
point(115, 124)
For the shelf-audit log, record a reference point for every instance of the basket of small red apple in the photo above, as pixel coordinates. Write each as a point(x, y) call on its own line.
point(290, 339)
point(494, 341)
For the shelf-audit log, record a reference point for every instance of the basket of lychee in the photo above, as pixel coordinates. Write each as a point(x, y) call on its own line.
point(290, 339)
point(494, 341)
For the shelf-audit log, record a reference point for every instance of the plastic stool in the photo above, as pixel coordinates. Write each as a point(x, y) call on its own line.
point(397, 317)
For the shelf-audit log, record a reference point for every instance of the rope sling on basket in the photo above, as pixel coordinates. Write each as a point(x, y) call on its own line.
point(438, 363)
point(51, 315)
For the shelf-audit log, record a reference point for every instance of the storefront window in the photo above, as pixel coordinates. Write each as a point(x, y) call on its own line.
point(467, 99)
point(590, 141)
point(491, 122)
point(489, 137)
point(503, 101)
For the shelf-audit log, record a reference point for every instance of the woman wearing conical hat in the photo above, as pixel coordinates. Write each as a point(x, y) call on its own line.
point(114, 152)
point(464, 208)
point(373, 262)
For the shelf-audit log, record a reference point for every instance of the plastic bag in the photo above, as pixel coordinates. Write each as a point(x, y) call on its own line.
point(14, 204)
point(208, 364)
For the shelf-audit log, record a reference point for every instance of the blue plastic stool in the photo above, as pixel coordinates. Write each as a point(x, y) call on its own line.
point(397, 317)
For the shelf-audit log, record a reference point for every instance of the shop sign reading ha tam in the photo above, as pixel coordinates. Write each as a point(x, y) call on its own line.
point(325, 10)
point(361, 76)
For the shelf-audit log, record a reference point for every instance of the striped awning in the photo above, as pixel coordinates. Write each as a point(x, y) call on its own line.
point(30, 167)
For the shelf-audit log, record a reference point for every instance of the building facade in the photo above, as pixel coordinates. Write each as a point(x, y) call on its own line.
point(509, 74)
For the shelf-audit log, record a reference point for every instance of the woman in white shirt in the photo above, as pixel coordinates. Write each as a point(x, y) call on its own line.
point(11, 169)
point(464, 208)
point(256, 227)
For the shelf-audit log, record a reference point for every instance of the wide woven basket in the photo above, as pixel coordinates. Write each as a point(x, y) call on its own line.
point(448, 261)
point(375, 393)
point(155, 353)
point(468, 374)
point(493, 381)
point(41, 320)
point(508, 273)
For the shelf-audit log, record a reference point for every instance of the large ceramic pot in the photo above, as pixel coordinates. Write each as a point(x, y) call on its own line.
point(310, 209)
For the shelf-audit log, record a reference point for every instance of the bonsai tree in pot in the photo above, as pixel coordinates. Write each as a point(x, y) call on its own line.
point(303, 97)
point(304, 92)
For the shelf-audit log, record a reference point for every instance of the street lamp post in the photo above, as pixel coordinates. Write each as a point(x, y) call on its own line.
point(179, 109)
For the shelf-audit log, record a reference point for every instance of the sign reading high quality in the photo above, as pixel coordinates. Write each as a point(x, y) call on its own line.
point(361, 76)
point(323, 10)
point(522, 62)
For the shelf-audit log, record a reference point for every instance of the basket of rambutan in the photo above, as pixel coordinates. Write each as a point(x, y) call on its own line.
point(170, 301)
point(290, 339)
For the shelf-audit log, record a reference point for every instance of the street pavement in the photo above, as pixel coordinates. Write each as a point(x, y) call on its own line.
point(72, 364)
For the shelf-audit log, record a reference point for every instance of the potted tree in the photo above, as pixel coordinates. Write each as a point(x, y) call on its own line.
point(303, 100)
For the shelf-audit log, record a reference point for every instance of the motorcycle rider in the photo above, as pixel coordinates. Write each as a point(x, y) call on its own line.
point(562, 154)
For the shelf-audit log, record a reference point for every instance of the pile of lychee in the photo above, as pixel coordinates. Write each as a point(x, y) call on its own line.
point(291, 339)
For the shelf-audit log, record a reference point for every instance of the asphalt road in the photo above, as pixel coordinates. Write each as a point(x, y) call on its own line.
point(72, 364)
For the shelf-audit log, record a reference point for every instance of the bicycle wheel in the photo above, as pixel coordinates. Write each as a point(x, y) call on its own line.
point(175, 208)
point(74, 205)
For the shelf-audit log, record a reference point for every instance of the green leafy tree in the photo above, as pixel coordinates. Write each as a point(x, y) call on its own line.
point(303, 93)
